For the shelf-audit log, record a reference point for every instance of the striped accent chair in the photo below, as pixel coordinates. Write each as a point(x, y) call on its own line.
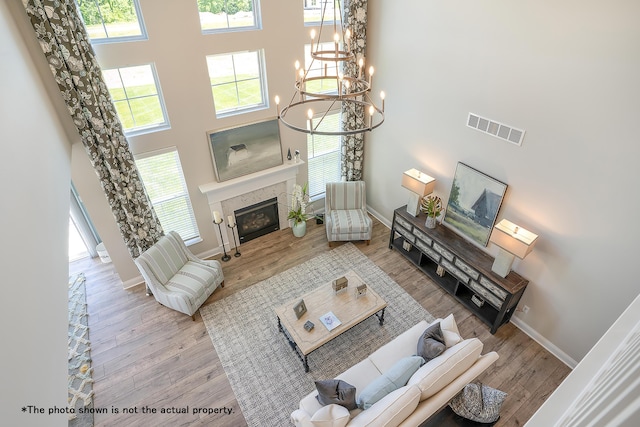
point(175, 277)
point(346, 216)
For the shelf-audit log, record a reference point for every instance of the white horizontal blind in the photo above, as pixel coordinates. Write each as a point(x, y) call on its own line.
point(161, 173)
point(324, 156)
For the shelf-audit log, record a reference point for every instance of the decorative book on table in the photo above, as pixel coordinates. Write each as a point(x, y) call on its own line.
point(330, 320)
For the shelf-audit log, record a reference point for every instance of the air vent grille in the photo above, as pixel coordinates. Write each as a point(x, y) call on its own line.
point(497, 129)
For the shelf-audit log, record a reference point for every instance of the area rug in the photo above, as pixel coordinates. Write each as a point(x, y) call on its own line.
point(266, 375)
point(80, 372)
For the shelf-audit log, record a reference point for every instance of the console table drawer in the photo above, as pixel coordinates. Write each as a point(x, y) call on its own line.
point(405, 233)
point(468, 270)
point(493, 288)
point(442, 251)
point(427, 250)
point(488, 296)
point(455, 271)
point(420, 235)
point(403, 223)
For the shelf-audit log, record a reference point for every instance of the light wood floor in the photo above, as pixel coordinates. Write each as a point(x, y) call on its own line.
point(147, 355)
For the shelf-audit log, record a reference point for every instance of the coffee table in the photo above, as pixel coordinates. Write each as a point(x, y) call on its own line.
point(349, 309)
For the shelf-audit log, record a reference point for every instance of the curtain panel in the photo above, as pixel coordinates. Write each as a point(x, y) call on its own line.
point(353, 116)
point(65, 43)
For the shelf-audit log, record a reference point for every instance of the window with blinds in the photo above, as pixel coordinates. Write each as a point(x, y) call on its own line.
point(324, 156)
point(161, 173)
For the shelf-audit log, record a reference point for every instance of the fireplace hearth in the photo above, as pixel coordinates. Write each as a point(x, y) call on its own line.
point(257, 220)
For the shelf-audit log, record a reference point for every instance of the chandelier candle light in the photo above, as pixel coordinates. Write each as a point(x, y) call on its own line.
point(338, 83)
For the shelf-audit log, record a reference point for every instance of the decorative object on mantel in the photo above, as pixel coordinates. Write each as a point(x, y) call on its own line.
point(298, 210)
point(217, 219)
point(335, 79)
point(474, 202)
point(288, 153)
point(340, 284)
point(513, 241)
point(232, 225)
point(258, 150)
point(297, 156)
point(432, 207)
point(419, 184)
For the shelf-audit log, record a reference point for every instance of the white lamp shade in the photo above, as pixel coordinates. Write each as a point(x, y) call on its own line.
point(513, 239)
point(418, 182)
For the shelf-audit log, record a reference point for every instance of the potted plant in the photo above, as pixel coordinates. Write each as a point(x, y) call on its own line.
point(298, 210)
point(432, 206)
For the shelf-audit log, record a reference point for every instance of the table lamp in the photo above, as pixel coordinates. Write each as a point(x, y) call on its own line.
point(419, 184)
point(513, 241)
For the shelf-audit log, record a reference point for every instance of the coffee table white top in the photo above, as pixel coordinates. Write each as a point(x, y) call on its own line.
point(349, 309)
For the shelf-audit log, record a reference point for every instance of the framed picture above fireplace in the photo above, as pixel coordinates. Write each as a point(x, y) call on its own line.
point(243, 150)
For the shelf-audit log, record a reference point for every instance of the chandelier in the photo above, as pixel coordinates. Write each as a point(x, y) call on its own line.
point(335, 80)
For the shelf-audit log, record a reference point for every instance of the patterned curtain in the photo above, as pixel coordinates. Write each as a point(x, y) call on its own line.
point(64, 41)
point(355, 18)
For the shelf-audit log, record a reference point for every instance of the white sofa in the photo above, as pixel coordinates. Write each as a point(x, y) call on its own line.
point(430, 388)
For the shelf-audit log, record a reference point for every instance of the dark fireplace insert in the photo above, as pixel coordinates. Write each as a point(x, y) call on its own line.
point(257, 220)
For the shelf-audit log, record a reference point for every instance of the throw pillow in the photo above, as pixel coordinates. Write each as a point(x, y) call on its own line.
point(450, 331)
point(431, 342)
point(396, 377)
point(336, 391)
point(478, 402)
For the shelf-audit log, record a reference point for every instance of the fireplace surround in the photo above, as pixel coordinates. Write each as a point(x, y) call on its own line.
point(229, 196)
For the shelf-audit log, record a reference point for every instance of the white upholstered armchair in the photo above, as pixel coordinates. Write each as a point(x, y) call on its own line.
point(345, 212)
point(178, 279)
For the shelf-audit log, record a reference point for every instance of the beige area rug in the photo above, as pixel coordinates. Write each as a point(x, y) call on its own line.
point(80, 371)
point(266, 375)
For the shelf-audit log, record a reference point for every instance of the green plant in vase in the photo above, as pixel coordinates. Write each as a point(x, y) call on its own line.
point(298, 210)
point(432, 207)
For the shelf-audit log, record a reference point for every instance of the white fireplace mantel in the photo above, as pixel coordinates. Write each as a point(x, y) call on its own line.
point(218, 193)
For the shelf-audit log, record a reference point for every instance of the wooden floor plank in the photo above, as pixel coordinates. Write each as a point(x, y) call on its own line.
point(146, 354)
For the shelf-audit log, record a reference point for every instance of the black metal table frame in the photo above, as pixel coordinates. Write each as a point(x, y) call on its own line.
point(303, 357)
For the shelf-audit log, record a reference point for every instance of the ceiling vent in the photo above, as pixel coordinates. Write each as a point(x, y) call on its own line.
point(497, 129)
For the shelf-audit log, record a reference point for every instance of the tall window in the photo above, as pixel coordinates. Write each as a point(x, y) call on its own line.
point(136, 95)
point(229, 15)
point(313, 11)
point(324, 156)
point(112, 20)
point(161, 173)
point(237, 82)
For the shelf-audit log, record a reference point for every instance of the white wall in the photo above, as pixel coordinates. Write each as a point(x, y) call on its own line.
point(34, 182)
point(565, 72)
point(178, 49)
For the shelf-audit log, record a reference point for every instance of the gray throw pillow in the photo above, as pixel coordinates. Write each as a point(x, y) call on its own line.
point(336, 391)
point(431, 343)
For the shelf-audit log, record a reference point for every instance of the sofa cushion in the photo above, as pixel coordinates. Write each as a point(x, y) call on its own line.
point(336, 392)
point(391, 410)
point(439, 372)
point(403, 345)
point(391, 380)
point(431, 342)
point(450, 331)
point(331, 416)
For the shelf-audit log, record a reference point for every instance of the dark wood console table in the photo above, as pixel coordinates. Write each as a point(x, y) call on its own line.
point(458, 266)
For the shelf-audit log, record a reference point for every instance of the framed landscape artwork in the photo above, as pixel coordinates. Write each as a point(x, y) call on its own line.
point(246, 149)
point(474, 203)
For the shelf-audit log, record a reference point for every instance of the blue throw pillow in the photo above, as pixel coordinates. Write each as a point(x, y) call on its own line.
point(397, 376)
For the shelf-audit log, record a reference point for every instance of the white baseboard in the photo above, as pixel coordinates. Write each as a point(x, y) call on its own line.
point(138, 280)
point(548, 345)
point(379, 217)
